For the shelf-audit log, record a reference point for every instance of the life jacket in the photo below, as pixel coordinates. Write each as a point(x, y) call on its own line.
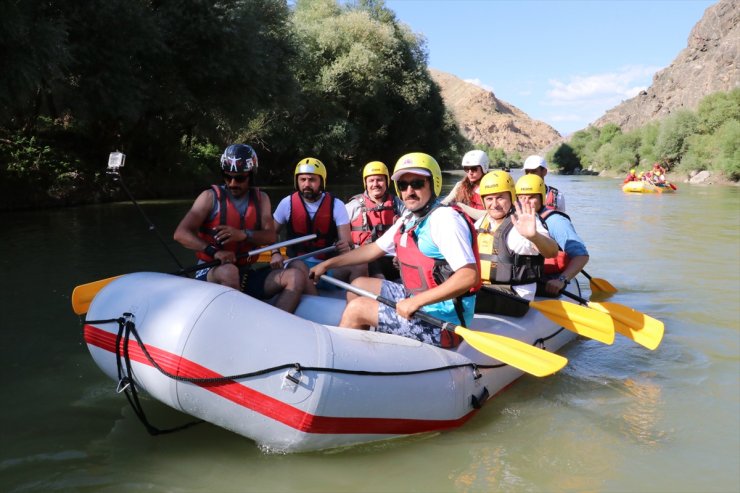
point(499, 264)
point(420, 273)
point(301, 224)
point(227, 214)
point(557, 264)
point(373, 219)
point(551, 198)
point(477, 202)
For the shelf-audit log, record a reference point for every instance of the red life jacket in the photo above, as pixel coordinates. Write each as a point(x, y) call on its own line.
point(477, 202)
point(226, 214)
point(557, 264)
point(301, 224)
point(551, 199)
point(421, 273)
point(373, 219)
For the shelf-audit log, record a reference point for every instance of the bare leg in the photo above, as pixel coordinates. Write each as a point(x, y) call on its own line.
point(360, 313)
point(308, 286)
point(226, 274)
point(290, 284)
point(368, 284)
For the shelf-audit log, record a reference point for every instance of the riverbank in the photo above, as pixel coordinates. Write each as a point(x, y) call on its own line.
point(693, 178)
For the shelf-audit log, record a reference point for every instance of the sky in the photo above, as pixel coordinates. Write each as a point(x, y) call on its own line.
point(562, 62)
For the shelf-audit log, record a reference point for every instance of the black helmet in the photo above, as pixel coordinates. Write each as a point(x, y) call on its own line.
point(239, 158)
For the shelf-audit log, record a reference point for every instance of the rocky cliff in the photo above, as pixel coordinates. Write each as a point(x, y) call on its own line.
point(710, 63)
point(485, 119)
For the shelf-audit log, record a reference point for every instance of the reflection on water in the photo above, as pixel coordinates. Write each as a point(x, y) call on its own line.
point(617, 418)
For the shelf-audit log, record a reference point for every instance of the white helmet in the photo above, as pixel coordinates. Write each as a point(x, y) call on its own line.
point(534, 162)
point(476, 158)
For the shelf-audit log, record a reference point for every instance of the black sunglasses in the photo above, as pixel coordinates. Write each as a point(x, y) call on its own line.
point(236, 178)
point(415, 184)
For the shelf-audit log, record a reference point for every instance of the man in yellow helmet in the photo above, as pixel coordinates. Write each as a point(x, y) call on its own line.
point(372, 212)
point(572, 255)
point(512, 242)
point(312, 210)
point(435, 246)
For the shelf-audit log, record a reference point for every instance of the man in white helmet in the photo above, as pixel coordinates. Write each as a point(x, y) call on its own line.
point(538, 166)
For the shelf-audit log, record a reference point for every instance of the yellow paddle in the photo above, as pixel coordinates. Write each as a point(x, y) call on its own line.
point(643, 329)
point(83, 294)
point(513, 352)
point(579, 319)
point(599, 284)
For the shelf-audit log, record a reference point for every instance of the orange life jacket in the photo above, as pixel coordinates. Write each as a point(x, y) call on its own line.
point(373, 219)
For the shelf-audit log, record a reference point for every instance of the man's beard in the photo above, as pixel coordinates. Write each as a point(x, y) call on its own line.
point(309, 194)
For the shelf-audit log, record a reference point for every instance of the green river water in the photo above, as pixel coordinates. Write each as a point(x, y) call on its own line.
point(617, 418)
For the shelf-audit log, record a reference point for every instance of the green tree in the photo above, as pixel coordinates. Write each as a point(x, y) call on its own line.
point(673, 135)
point(565, 158)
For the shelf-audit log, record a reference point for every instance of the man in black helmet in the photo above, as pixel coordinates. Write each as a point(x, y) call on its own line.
point(231, 219)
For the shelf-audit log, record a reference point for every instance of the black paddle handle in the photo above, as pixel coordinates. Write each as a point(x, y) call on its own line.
point(442, 324)
point(504, 294)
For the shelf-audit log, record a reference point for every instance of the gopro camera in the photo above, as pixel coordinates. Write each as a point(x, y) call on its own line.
point(116, 160)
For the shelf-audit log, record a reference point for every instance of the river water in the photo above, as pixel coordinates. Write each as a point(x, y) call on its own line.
point(617, 418)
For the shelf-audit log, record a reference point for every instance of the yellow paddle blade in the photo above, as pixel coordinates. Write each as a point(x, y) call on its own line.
point(513, 352)
point(643, 329)
point(601, 285)
point(579, 319)
point(83, 294)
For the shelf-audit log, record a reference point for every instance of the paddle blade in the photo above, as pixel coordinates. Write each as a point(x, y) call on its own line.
point(602, 285)
point(83, 294)
point(579, 319)
point(515, 353)
point(643, 329)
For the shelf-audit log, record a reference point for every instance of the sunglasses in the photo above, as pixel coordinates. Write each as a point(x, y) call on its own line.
point(415, 184)
point(237, 178)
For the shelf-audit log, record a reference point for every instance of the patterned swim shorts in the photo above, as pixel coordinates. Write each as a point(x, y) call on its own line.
point(391, 323)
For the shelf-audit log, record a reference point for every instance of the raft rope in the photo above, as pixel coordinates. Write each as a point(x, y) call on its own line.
point(127, 327)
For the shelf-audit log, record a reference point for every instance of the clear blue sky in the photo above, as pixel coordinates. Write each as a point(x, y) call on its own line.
point(562, 62)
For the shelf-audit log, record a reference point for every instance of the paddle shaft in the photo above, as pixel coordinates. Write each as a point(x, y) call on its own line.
point(328, 249)
point(275, 246)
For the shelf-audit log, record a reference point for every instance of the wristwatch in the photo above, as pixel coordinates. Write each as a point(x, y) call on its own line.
point(563, 279)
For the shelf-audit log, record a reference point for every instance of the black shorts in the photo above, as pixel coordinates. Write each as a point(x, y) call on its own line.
point(253, 281)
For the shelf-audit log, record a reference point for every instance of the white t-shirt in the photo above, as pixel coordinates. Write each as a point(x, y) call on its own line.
point(522, 246)
point(282, 212)
point(447, 230)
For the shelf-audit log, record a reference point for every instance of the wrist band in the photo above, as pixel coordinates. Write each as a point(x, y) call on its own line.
point(248, 233)
point(210, 250)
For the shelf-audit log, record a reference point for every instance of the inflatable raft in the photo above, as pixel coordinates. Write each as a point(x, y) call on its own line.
point(292, 382)
point(645, 187)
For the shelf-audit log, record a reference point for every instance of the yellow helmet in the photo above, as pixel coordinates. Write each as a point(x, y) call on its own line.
point(495, 182)
point(531, 184)
point(632, 171)
point(375, 168)
point(312, 166)
point(419, 160)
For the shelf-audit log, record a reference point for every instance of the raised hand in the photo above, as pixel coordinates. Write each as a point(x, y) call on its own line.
point(525, 219)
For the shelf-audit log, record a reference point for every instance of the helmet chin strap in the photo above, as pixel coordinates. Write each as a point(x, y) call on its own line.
point(427, 207)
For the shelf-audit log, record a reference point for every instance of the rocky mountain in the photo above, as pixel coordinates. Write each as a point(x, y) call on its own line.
point(487, 120)
point(710, 63)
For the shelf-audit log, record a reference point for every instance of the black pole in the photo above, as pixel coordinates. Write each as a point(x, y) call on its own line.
point(114, 164)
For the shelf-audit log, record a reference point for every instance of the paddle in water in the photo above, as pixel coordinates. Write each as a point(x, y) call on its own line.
point(641, 328)
point(513, 352)
point(579, 319)
point(599, 284)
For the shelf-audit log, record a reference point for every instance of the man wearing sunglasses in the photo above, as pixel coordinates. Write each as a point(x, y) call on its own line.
point(231, 219)
point(437, 253)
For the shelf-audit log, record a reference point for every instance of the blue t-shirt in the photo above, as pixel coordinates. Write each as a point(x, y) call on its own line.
point(562, 231)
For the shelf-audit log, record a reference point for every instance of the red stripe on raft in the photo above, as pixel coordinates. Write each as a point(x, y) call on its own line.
point(269, 406)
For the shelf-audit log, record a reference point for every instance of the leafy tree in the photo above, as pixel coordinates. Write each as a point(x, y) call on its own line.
point(673, 141)
point(565, 158)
